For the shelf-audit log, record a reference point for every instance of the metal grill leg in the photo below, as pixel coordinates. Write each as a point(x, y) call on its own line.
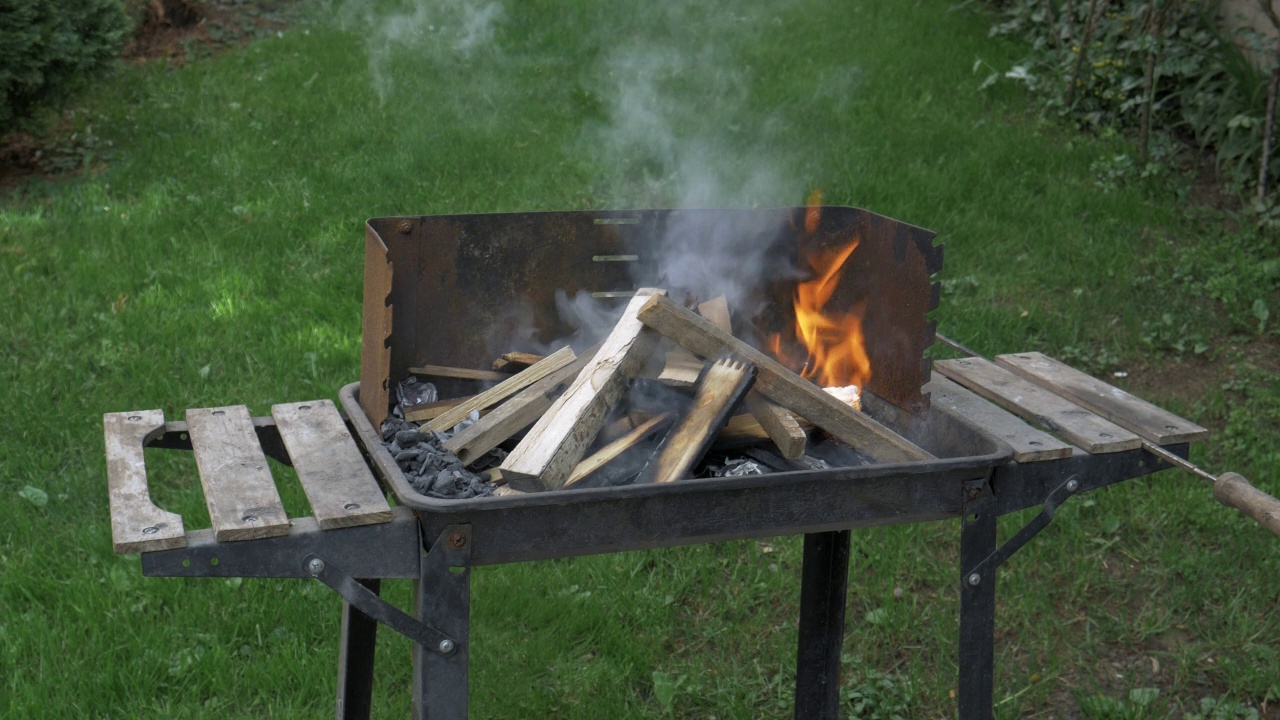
point(355, 660)
point(824, 582)
point(977, 619)
point(442, 599)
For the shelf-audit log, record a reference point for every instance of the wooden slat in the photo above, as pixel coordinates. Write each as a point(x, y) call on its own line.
point(242, 499)
point(503, 390)
point(1037, 405)
point(430, 411)
point(341, 489)
point(137, 525)
point(1028, 443)
point(1128, 411)
point(781, 385)
point(611, 451)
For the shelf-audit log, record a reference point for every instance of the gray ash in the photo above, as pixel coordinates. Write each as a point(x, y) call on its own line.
point(430, 469)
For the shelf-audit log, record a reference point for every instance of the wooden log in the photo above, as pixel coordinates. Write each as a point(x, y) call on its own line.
point(547, 455)
point(503, 390)
point(514, 362)
point(1028, 443)
point(723, 384)
point(682, 368)
point(781, 385)
point(1128, 411)
point(428, 411)
point(513, 415)
point(341, 489)
point(609, 452)
point(780, 425)
point(1037, 405)
point(457, 372)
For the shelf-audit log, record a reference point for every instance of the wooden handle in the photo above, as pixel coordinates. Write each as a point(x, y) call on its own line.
point(1234, 490)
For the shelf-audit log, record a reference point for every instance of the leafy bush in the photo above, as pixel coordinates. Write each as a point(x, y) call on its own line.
point(47, 47)
point(1159, 69)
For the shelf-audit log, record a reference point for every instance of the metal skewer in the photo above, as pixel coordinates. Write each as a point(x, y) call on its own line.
point(1231, 489)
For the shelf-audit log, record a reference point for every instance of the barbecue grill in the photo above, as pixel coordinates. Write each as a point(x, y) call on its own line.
point(439, 290)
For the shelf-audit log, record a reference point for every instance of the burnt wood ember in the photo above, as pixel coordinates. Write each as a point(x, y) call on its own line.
point(430, 469)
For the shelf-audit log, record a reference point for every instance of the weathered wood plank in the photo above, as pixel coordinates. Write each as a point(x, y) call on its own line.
point(341, 489)
point(457, 372)
point(503, 390)
point(781, 385)
point(554, 445)
point(238, 490)
point(430, 411)
point(1124, 409)
point(780, 425)
point(137, 525)
point(1028, 443)
point(1037, 405)
point(515, 414)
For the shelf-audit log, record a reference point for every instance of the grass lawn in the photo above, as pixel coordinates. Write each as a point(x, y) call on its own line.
point(216, 258)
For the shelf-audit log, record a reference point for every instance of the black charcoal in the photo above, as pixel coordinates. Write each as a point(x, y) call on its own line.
point(430, 469)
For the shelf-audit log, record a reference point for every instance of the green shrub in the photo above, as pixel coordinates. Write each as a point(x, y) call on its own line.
point(48, 47)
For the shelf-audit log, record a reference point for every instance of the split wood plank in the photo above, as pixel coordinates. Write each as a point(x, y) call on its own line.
point(556, 443)
point(724, 383)
point(457, 372)
point(609, 452)
point(137, 525)
point(682, 368)
point(1035, 404)
point(1028, 443)
point(515, 414)
point(781, 385)
point(503, 390)
point(779, 424)
point(238, 489)
point(1128, 411)
point(430, 411)
point(515, 361)
point(341, 489)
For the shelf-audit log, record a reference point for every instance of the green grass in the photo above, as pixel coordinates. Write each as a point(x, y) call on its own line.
point(216, 259)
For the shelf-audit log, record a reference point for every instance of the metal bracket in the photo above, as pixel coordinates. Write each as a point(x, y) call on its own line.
point(364, 600)
point(975, 575)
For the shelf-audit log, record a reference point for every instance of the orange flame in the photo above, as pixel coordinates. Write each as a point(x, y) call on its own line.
point(837, 354)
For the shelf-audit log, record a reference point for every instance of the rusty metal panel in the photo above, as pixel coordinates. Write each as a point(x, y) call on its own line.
point(465, 288)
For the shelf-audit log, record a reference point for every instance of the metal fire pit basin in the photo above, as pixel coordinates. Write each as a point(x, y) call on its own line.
point(562, 523)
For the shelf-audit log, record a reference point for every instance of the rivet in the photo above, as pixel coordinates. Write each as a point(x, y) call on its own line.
point(1033, 443)
point(315, 566)
point(1166, 427)
point(458, 540)
point(351, 506)
point(1073, 485)
point(446, 645)
point(1105, 435)
point(974, 579)
point(150, 530)
point(405, 227)
point(304, 407)
point(219, 413)
point(135, 418)
point(250, 518)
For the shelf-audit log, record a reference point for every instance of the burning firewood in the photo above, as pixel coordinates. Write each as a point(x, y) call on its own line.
point(496, 394)
point(780, 384)
point(554, 445)
point(721, 386)
point(610, 452)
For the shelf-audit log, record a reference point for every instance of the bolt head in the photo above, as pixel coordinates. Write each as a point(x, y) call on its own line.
point(446, 646)
point(974, 579)
point(315, 566)
point(1073, 485)
point(458, 539)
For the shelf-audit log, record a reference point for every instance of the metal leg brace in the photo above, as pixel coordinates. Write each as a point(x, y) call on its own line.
point(824, 583)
